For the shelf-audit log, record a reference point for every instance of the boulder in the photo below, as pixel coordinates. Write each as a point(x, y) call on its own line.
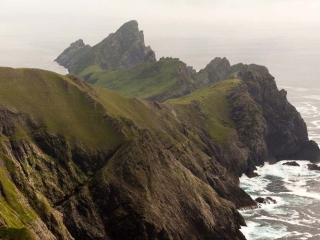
point(292, 163)
point(313, 166)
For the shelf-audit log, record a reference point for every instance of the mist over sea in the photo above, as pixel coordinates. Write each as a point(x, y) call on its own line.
point(290, 51)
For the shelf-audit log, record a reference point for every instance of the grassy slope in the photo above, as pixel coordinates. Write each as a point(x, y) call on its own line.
point(142, 81)
point(58, 102)
point(63, 106)
point(13, 211)
point(213, 104)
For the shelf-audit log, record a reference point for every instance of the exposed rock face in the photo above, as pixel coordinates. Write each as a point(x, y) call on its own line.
point(155, 179)
point(218, 69)
point(267, 200)
point(148, 175)
point(123, 49)
point(267, 123)
point(313, 167)
point(70, 57)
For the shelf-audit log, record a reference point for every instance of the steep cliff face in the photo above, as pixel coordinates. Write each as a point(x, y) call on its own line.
point(79, 162)
point(83, 162)
point(71, 56)
point(286, 132)
point(266, 122)
point(123, 49)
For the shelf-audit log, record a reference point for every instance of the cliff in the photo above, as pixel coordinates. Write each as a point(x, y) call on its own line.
point(123, 49)
point(83, 162)
point(123, 63)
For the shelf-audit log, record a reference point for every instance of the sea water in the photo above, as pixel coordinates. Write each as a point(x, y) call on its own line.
point(296, 215)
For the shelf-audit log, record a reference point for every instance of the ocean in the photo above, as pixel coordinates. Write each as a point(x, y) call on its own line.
point(291, 51)
point(296, 215)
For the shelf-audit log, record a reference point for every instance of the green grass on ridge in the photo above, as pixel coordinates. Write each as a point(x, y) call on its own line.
point(143, 81)
point(213, 103)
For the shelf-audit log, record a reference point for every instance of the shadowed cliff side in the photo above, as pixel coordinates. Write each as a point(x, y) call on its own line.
point(267, 123)
point(286, 133)
point(81, 162)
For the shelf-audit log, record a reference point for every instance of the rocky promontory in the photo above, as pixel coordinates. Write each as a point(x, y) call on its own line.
point(81, 161)
point(123, 49)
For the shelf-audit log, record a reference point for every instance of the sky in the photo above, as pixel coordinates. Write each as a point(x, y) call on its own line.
point(82, 15)
point(167, 10)
point(266, 32)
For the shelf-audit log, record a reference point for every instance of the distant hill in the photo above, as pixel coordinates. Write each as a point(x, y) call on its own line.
point(123, 63)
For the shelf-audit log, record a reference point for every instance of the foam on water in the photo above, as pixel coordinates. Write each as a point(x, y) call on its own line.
point(308, 109)
point(290, 217)
point(297, 89)
point(261, 231)
point(316, 97)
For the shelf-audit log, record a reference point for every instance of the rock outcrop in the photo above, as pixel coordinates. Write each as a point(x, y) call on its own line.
point(266, 200)
point(218, 69)
point(267, 123)
point(70, 57)
point(123, 49)
point(313, 167)
point(292, 163)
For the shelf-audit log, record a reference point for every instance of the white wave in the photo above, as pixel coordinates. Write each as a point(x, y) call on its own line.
point(308, 110)
point(297, 89)
point(316, 125)
point(263, 231)
point(254, 185)
point(270, 221)
point(284, 220)
point(302, 192)
point(316, 97)
point(301, 236)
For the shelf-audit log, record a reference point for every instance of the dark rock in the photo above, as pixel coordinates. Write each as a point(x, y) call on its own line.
point(218, 69)
point(266, 200)
point(259, 200)
point(122, 50)
point(292, 163)
point(71, 56)
point(266, 122)
point(313, 167)
point(252, 174)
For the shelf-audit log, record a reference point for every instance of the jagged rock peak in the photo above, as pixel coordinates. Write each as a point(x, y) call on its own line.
point(78, 43)
point(218, 61)
point(218, 69)
point(131, 25)
point(123, 49)
point(69, 57)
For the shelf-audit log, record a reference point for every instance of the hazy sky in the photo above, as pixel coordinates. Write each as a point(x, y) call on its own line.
point(267, 32)
point(82, 15)
point(173, 11)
